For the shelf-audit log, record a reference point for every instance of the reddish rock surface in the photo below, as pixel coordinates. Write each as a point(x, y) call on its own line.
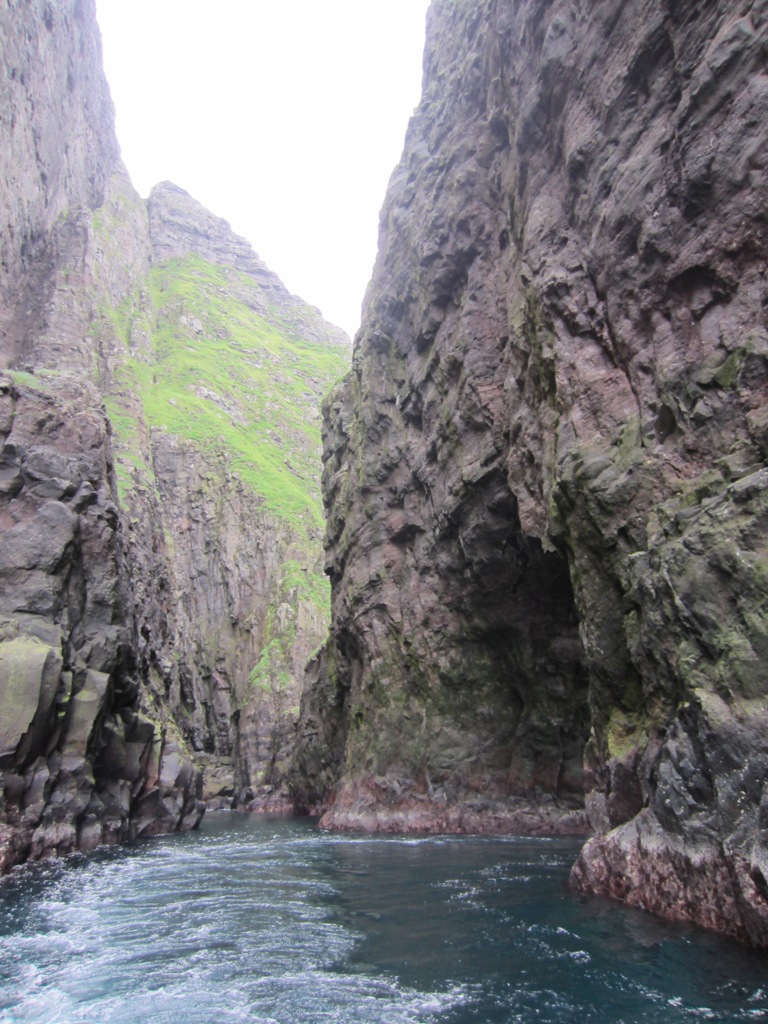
point(545, 474)
point(141, 579)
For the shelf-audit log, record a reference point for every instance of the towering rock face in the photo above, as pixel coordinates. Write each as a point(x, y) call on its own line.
point(160, 576)
point(546, 472)
point(218, 373)
point(87, 754)
point(59, 151)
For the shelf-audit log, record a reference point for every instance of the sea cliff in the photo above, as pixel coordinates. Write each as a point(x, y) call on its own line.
point(546, 472)
point(161, 582)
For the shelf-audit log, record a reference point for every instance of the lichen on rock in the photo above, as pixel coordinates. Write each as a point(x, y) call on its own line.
point(69, 680)
point(544, 472)
point(159, 492)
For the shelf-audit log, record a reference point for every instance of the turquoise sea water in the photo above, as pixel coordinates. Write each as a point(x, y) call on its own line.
point(265, 920)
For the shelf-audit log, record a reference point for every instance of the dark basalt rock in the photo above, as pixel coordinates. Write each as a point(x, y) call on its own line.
point(545, 473)
point(84, 756)
point(87, 756)
point(141, 579)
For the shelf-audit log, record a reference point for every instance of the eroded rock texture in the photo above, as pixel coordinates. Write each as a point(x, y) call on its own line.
point(217, 381)
point(160, 565)
point(545, 475)
point(88, 755)
point(59, 150)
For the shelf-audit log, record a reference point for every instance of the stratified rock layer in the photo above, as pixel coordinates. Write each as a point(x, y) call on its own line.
point(160, 570)
point(88, 756)
point(545, 474)
point(217, 376)
point(59, 150)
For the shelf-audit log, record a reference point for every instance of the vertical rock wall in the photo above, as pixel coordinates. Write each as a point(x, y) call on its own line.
point(158, 587)
point(217, 377)
point(545, 474)
point(88, 755)
point(59, 151)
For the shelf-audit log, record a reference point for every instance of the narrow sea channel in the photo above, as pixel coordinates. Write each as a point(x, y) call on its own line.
point(271, 921)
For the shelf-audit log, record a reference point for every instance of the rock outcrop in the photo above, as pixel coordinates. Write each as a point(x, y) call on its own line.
point(545, 474)
point(59, 151)
point(160, 572)
point(88, 756)
point(215, 400)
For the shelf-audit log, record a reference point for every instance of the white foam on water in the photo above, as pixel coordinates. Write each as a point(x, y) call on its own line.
point(279, 924)
point(210, 933)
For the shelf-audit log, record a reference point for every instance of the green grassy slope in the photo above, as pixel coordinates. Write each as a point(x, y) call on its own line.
point(197, 351)
point(227, 375)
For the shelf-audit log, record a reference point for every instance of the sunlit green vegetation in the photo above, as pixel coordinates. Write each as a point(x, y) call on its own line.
point(219, 373)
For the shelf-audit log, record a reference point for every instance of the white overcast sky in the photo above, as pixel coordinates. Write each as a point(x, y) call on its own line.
point(286, 117)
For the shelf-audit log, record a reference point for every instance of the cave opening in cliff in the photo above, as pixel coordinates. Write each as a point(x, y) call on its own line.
point(528, 624)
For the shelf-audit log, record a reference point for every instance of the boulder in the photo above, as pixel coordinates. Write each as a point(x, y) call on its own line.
point(29, 678)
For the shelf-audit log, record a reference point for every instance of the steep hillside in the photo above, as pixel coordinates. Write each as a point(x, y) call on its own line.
point(59, 152)
point(546, 471)
point(214, 399)
point(88, 754)
point(160, 586)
